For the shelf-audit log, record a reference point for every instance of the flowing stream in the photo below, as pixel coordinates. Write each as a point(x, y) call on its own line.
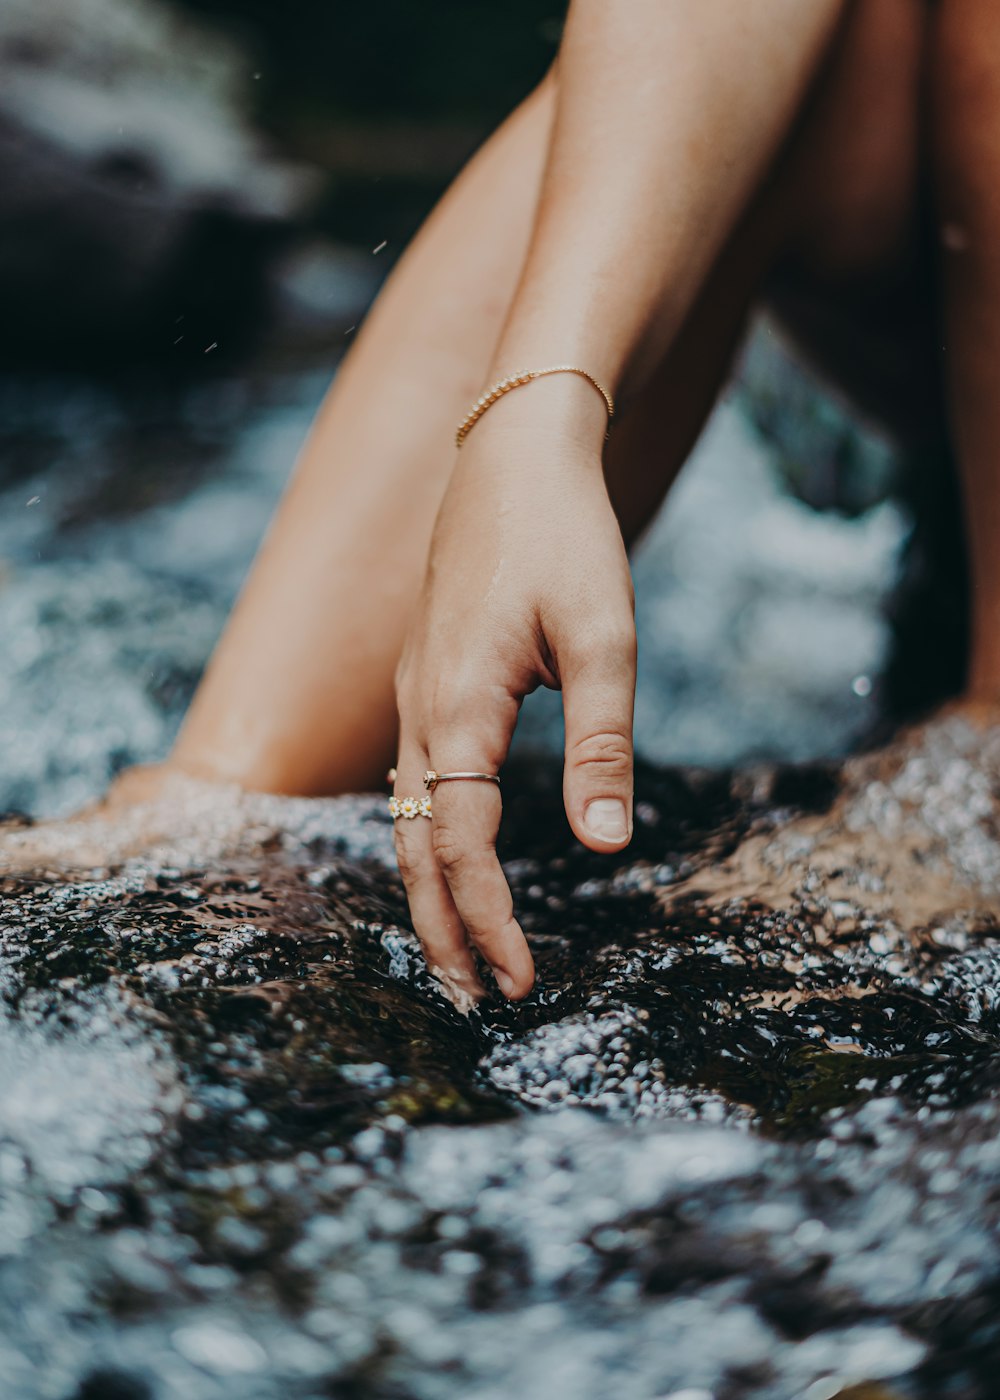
point(741, 1141)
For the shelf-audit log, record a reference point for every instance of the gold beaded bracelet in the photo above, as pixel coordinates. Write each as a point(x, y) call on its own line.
point(514, 381)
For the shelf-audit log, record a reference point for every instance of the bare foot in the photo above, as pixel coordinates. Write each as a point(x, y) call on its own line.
point(135, 786)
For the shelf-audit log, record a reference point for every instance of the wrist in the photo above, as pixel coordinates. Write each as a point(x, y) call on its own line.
point(563, 407)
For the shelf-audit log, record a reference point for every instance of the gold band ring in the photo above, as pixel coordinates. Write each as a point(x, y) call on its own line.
point(409, 807)
point(431, 779)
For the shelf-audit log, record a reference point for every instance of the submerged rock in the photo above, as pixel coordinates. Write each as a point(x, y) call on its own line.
point(742, 1139)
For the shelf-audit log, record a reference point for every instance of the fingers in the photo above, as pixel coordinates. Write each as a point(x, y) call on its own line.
point(598, 677)
point(435, 918)
point(454, 881)
point(456, 888)
point(465, 825)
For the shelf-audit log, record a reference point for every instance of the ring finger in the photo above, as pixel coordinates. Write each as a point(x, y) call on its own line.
point(436, 920)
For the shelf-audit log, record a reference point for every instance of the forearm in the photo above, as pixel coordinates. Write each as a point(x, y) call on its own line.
point(669, 112)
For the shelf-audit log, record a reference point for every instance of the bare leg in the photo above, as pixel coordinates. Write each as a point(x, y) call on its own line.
point(966, 131)
point(299, 696)
point(838, 211)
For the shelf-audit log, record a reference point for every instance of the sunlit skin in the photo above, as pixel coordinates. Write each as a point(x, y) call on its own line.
point(623, 220)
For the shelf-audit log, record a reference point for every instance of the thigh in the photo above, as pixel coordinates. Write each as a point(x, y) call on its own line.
point(854, 279)
point(830, 238)
point(847, 188)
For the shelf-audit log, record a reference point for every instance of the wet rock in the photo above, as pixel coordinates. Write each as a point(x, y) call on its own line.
point(741, 1139)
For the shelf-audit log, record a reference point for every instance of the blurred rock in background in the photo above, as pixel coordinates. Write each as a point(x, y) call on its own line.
point(157, 164)
point(141, 210)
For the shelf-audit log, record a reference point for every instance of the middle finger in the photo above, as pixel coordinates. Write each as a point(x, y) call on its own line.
point(466, 819)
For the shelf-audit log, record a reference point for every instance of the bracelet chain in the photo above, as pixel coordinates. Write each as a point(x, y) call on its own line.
point(514, 381)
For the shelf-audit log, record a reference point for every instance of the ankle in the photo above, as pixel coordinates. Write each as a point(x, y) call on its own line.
point(980, 708)
point(135, 787)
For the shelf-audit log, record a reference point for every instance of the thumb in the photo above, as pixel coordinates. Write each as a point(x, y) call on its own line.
point(598, 700)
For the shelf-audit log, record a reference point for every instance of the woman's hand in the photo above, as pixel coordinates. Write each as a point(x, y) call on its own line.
point(528, 584)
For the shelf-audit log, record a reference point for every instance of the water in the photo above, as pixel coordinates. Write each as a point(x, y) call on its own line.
point(741, 1141)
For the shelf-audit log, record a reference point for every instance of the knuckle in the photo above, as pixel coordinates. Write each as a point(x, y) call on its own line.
point(461, 748)
point(405, 670)
point(608, 754)
point(406, 694)
point(609, 647)
point(456, 700)
point(411, 866)
point(450, 852)
point(449, 720)
point(492, 934)
point(474, 736)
